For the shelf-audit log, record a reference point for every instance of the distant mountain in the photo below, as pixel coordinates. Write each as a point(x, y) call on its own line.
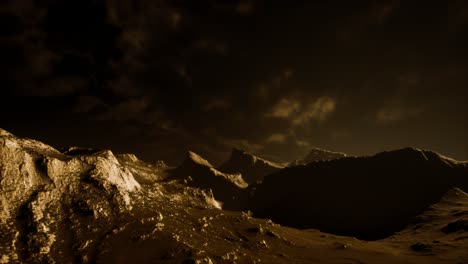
point(198, 172)
point(317, 154)
point(83, 205)
point(253, 169)
point(366, 197)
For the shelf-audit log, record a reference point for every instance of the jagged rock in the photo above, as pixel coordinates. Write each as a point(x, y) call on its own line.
point(199, 173)
point(317, 154)
point(76, 151)
point(128, 157)
point(143, 173)
point(87, 207)
point(51, 197)
point(253, 169)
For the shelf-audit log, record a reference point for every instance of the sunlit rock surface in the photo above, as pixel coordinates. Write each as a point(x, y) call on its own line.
point(197, 172)
point(82, 205)
point(50, 199)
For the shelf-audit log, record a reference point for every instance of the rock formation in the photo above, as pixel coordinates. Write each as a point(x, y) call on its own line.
point(143, 172)
point(49, 199)
point(82, 205)
point(227, 188)
point(253, 169)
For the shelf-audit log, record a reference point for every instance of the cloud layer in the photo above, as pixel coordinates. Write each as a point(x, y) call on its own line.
point(275, 77)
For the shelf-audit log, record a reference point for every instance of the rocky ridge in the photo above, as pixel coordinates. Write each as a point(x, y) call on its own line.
point(316, 154)
point(253, 169)
point(197, 172)
point(366, 191)
point(91, 206)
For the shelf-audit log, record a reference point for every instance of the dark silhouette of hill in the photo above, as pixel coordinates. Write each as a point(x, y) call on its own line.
point(317, 154)
point(252, 168)
point(198, 172)
point(90, 206)
point(366, 197)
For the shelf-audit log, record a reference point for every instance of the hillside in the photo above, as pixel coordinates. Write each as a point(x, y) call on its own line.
point(197, 172)
point(253, 169)
point(90, 206)
point(366, 197)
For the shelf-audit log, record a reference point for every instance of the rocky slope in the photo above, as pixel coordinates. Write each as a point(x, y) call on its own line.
point(60, 207)
point(440, 232)
point(366, 197)
point(53, 202)
point(253, 169)
point(91, 206)
point(143, 172)
point(317, 154)
point(197, 172)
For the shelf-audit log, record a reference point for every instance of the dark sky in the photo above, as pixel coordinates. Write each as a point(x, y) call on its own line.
point(158, 77)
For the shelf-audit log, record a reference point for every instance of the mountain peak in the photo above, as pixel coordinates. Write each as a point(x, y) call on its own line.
point(243, 156)
point(197, 172)
point(251, 167)
point(194, 158)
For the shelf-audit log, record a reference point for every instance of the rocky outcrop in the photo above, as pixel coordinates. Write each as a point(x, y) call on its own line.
point(51, 200)
point(366, 197)
point(317, 154)
point(198, 172)
point(143, 172)
point(77, 205)
point(253, 169)
point(85, 206)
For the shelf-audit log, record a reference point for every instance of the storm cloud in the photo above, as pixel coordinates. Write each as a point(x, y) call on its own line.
point(273, 77)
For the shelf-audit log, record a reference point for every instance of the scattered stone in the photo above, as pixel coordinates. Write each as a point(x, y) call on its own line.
point(263, 244)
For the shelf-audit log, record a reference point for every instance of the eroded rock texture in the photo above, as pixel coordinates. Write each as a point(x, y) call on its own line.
point(83, 205)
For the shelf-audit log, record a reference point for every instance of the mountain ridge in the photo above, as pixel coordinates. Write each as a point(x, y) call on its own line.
point(329, 191)
point(81, 206)
point(317, 154)
point(252, 168)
